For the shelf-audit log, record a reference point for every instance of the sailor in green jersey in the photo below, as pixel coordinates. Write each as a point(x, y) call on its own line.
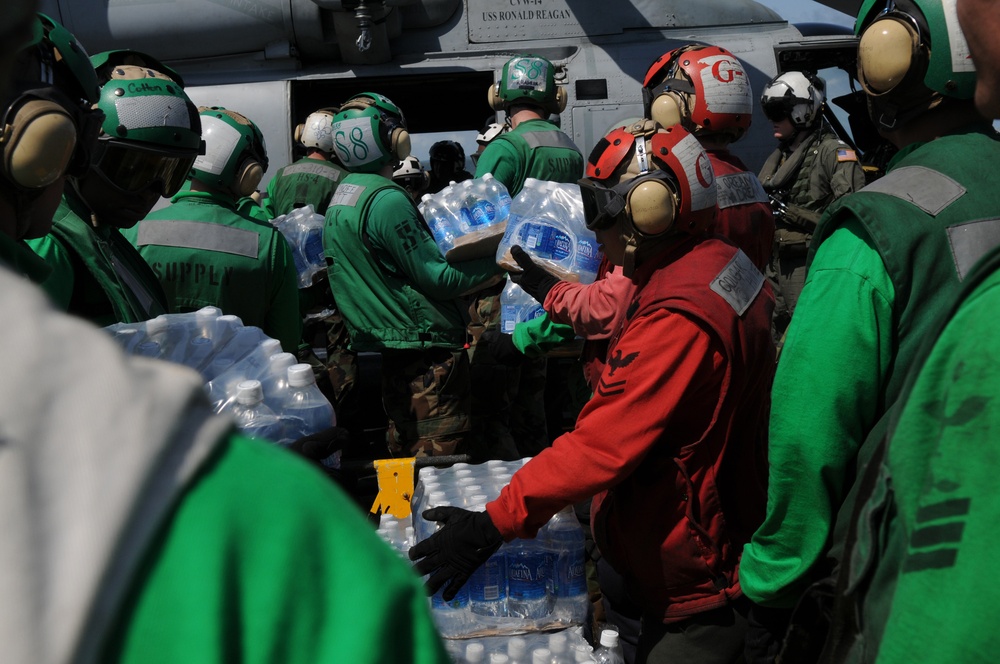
point(149, 140)
point(312, 179)
point(922, 535)
point(50, 128)
point(394, 288)
point(205, 253)
point(533, 147)
point(157, 534)
point(885, 264)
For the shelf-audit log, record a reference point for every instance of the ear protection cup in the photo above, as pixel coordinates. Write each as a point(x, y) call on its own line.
point(651, 206)
point(560, 99)
point(39, 144)
point(248, 177)
point(297, 134)
point(668, 109)
point(493, 97)
point(399, 143)
point(889, 51)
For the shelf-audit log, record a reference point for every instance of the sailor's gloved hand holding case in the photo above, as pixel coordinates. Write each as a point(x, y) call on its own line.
point(535, 280)
point(465, 541)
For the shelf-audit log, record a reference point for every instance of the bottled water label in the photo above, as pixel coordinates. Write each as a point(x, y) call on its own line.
point(545, 241)
point(588, 257)
point(512, 314)
point(482, 214)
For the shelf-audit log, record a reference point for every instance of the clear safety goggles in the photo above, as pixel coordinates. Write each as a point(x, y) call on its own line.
point(602, 205)
point(134, 169)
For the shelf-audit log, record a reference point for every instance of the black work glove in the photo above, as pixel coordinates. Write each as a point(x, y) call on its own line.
point(535, 280)
point(501, 346)
point(465, 541)
point(323, 444)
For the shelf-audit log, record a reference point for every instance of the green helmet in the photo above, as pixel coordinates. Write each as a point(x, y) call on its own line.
point(528, 79)
point(82, 78)
point(369, 132)
point(914, 57)
point(48, 109)
point(108, 65)
point(151, 131)
point(235, 155)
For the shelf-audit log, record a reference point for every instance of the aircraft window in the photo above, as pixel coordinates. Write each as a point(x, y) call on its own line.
point(594, 88)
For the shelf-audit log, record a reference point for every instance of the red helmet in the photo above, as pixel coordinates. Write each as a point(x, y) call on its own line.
point(660, 178)
point(703, 88)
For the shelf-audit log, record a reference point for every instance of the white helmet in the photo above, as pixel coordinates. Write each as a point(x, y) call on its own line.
point(795, 95)
point(317, 131)
point(490, 132)
point(410, 173)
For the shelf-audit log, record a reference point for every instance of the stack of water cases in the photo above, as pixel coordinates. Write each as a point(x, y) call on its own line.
point(269, 394)
point(302, 228)
point(546, 220)
point(468, 218)
point(526, 586)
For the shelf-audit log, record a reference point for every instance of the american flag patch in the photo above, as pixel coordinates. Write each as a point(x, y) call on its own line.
point(846, 155)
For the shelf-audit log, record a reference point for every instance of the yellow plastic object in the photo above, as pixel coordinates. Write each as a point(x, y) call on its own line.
point(395, 486)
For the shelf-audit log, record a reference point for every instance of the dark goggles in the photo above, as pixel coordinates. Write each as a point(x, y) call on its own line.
point(778, 108)
point(133, 168)
point(603, 205)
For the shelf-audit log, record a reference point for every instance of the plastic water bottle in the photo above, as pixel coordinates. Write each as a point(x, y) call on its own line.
point(439, 220)
point(275, 379)
point(610, 651)
point(528, 572)
point(517, 650)
point(566, 541)
point(516, 306)
point(252, 415)
point(305, 410)
point(541, 656)
point(475, 652)
point(488, 584)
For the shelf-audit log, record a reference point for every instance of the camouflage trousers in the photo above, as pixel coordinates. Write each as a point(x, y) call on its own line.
point(426, 397)
point(337, 374)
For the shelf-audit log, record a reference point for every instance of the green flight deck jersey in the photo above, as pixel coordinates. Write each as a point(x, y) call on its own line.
point(207, 254)
point(96, 273)
point(306, 182)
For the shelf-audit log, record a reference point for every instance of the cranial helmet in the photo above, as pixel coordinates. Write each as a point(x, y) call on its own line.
point(448, 153)
point(369, 132)
point(796, 95)
point(317, 131)
point(235, 155)
point(410, 174)
point(912, 56)
point(47, 124)
point(528, 79)
point(489, 132)
point(659, 180)
point(112, 64)
point(703, 88)
point(151, 133)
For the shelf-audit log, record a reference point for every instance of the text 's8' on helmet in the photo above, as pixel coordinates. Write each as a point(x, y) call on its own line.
point(661, 180)
point(795, 95)
point(369, 132)
point(151, 132)
point(704, 88)
point(317, 131)
point(528, 79)
point(235, 156)
point(896, 39)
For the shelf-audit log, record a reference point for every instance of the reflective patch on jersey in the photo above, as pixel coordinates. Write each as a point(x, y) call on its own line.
point(738, 283)
point(739, 189)
point(549, 139)
point(971, 241)
point(200, 235)
point(929, 190)
point(347, 194)
point(320, 170)
point(845, 154)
